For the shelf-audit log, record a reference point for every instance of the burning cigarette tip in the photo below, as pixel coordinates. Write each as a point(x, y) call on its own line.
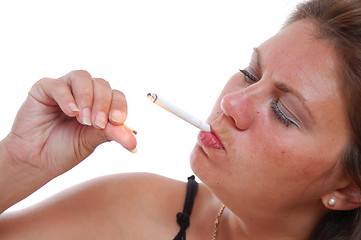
point(152, 96)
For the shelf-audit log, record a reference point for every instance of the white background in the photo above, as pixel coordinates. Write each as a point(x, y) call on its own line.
point(185, 51)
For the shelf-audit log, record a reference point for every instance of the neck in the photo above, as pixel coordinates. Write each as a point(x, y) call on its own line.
point(291, 224)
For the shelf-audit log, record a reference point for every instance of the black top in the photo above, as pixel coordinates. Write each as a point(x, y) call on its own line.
point(183, 217)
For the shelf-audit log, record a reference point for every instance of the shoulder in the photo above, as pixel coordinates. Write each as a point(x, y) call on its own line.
point(142, 188)
point(128, 199)
point(153, 203)
point(128, 205)
point(146, 190)
point(145, 204)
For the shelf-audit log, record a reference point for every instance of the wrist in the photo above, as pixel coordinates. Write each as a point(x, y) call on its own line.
point(18, 179)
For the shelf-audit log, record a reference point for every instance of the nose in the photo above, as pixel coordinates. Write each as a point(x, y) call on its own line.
point(240, 107)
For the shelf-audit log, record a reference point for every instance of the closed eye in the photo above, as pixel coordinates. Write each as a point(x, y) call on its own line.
point(281, 116)
point(250, 78)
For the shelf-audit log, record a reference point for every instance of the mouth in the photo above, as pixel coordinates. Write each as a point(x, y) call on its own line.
point(210, 140)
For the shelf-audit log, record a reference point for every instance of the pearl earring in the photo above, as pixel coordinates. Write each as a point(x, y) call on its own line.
point(332, 201)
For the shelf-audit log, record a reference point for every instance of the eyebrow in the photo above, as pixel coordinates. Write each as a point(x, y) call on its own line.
point(283, 87)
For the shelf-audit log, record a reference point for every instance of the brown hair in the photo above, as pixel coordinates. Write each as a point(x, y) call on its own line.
point(340, 22)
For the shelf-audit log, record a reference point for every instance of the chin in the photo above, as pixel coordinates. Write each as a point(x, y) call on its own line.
point(197, 165)
point(202, 168)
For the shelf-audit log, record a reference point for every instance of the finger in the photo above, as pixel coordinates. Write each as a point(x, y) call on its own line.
point(102, 102)
point(121, 135)
point(118, 109)
point(81, 84)
point(53, 92)
point(93, 137)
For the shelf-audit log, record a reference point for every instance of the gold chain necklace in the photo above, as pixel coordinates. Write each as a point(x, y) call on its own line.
point(216, 222)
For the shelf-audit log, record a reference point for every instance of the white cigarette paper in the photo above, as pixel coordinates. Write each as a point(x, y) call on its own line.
point(179, 112)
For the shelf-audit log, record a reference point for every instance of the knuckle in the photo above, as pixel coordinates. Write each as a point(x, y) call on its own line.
point(38, 87)
point(86, 95)
point(39, 83)
point(44, 79)
point(101, 102)
point(118, 93)
point(42, 82)
point(58, 86)
point(59, 83)
point(80, 74)
point(102, 82)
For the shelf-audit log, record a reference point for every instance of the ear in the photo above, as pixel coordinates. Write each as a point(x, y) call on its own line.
point(346, 198)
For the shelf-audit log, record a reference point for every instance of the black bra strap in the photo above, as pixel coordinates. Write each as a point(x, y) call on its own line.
point(183, 217)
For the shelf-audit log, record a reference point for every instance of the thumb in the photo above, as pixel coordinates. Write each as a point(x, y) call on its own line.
point(122, 135)
point(118, 133)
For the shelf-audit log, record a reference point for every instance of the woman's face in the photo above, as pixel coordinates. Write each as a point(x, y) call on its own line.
point(278, 133)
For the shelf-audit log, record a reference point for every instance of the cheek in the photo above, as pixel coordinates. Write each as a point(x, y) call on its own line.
point(278, 158)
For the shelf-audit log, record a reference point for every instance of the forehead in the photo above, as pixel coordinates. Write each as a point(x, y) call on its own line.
point(296, 56)
point(309, 64)
point(301, 55)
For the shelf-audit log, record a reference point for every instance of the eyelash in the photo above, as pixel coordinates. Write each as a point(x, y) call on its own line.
point(281, 116)
point(250, 78)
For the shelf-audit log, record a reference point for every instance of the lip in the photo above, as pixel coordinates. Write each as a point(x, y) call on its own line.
point(210, 140)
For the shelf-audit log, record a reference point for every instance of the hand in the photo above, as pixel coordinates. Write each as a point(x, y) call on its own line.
point(63, 120)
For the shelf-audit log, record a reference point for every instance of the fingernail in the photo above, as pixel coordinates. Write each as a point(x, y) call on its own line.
point(73, 107)
point(135, 150)
point(101, 120)
point(85, 117)
point(116, 116)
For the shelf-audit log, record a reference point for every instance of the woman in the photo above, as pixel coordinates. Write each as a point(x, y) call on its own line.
point(282, 161)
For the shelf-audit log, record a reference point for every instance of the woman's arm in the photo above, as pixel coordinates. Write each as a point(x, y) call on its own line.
point(17, 180)
point(119, 206)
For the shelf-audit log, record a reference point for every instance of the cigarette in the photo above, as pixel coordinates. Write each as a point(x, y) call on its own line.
point(130, 129)
point(179, 112)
